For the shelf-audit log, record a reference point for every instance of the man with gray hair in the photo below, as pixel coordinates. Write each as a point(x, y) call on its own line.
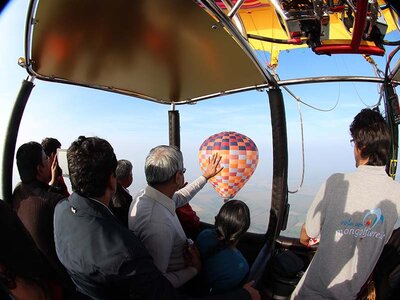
point(122, 199)
point(152, 216)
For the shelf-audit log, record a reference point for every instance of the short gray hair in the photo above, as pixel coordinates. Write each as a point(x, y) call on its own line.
point(162, 163)
point(124, 169)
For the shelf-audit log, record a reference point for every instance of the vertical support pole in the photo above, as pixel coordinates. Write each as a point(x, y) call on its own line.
point(174, 127)
point(359, 24)
point(279, 197)
point(393, 120)
point(11, 138)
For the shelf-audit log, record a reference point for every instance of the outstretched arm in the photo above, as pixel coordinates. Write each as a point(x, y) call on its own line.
point(185, 194)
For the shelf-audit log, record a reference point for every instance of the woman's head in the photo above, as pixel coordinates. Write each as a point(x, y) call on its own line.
point(232, 221)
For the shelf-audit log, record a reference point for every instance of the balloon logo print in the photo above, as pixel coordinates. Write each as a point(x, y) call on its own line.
point(239, 159)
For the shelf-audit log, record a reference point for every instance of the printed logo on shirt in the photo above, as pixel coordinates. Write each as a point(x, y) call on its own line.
point(372, 218)
point(363, 229)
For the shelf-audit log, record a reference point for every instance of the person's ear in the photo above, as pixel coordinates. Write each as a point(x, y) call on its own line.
point(39, 170)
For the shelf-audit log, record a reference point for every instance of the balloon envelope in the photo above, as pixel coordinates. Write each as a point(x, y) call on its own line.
point(239, 159)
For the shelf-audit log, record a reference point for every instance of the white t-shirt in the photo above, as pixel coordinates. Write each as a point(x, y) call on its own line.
point(354, 215)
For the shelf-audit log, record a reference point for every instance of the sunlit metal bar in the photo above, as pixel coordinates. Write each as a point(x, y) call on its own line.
point(235, 8)
point(297, 81)
point(11, 137)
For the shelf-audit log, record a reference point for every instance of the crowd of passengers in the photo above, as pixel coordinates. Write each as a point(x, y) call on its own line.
point(100, 243)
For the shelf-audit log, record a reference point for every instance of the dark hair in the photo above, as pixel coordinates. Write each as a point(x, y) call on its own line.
point(91, 161)
point(370, 133)
point(29, 156)
point(50, 145)
point(232, 221)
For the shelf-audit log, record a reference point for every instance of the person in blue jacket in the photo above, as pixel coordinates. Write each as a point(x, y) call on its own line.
point(224, 266)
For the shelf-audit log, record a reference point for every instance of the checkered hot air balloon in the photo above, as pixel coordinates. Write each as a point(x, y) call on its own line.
point(239, 159)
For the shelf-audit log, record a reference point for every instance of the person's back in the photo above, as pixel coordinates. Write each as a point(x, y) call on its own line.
point(122, 199)
point(353, 215)
point(355, 206)
point(24, 272)
point(104, 259)
point(34, 203)
point(224, 266)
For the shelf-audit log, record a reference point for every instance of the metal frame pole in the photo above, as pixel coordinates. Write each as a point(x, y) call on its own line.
point(11, 138)
point(279, 197)
point(174, 127)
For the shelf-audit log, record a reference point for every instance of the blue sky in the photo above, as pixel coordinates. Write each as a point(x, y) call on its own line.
point(134, 126)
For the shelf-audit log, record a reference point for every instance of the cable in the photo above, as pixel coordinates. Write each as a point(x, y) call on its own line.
point(302, 152)
point(311, 106)
point(276, 41)
point(391, 43)
point(298, 101)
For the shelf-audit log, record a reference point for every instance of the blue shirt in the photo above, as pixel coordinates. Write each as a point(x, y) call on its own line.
point(223, 268)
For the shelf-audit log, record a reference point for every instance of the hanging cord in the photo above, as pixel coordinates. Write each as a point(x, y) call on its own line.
point(298, 101)
point(377, 71)
point(302, 147)
point(391, 43)
point(311, 106)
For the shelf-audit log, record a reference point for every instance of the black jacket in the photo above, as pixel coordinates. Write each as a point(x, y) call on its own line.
point(34, 204)
point(104, 259)
point(120, 203)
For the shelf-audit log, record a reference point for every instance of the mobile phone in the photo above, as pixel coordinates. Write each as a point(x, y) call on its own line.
point(62, 161)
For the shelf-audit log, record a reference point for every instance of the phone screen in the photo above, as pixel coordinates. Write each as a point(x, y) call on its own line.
point(62, 161)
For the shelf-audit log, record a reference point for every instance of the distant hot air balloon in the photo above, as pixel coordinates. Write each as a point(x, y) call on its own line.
point(239, 159)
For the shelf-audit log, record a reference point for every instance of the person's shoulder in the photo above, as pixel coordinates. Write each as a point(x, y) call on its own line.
point(207, 233)
point(54, 195)
point(62, 204)
point(206, 237)
point(338, 176)
point(231, 255)
point(60, 208)
point(21, 189)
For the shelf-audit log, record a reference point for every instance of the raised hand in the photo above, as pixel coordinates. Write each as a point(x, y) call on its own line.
point(53, 169)
point(213, 167)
